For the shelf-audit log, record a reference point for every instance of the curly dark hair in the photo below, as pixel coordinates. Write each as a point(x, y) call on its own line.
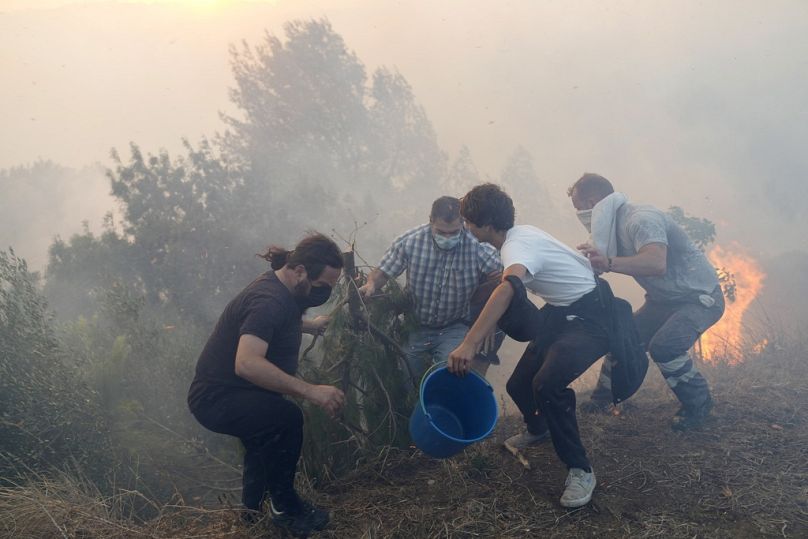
point(314, 252)
point(488, 204)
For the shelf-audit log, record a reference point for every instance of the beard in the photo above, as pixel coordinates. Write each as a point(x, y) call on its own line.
point(302, 289)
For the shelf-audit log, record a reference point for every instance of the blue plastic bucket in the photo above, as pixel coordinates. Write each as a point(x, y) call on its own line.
point(452, 412)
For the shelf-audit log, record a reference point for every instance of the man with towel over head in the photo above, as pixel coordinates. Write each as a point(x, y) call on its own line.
point(683, 296)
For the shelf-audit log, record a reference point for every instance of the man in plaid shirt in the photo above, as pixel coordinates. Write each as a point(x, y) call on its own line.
point(445, 264)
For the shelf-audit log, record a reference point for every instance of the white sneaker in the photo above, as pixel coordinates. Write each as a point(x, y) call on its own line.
point(578, 488)
point(526, 439)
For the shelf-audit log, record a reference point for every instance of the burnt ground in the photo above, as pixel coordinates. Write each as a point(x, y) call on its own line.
point(744, 475)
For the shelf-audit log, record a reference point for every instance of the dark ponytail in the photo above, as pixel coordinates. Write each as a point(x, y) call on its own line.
point(276, 256)
point(314, 252)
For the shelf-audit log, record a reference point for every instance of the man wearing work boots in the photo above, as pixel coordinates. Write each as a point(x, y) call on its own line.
point(567, 335)
point(445, 265)
point(247, 370)
point(683, 296)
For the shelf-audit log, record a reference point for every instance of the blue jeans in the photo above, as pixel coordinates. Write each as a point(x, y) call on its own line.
point(434, 344)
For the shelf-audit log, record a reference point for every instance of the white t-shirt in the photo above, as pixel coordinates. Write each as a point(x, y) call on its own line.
point(557, 273)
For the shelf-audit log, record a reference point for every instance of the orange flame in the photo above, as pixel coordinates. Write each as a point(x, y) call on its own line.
point(726, 339)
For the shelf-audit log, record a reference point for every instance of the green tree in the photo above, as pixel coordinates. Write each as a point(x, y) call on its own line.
point(182, 240)
point(87, 263)
point(322, 147)
point(303, 126)
point(700, 230)
point(406, 154)
point(314, 145)
point(185, 220)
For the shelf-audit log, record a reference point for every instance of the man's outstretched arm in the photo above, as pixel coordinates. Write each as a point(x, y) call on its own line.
point(461, 357)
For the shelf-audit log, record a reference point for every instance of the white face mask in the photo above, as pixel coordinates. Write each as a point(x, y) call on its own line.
point(447, 243)
point(585, 216)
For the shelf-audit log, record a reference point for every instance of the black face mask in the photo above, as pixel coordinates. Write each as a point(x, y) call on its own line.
point(317, 296)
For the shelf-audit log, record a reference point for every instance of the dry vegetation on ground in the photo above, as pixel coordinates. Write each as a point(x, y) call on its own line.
point(744, 475)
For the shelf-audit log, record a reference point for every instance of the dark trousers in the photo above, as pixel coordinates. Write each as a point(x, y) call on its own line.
point(669, 330)
point(570, 340)
point(271, 429)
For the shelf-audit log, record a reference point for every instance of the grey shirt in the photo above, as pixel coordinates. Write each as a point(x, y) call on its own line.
point(689, 273)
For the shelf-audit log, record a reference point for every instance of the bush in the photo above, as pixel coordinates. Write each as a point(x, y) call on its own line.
point(379, 395)
point(139, 359)
point(49, 418)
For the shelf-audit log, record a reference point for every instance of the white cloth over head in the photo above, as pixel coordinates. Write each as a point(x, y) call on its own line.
point(604, 223)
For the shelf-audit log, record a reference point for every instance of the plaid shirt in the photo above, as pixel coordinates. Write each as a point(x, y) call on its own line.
point(440, 282)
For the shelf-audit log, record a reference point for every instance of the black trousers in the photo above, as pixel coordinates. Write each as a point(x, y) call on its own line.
point(570, 339)
point(271, 429)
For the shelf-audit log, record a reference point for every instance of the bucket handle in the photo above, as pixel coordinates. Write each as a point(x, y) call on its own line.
point(434, 367)
point(430, 370)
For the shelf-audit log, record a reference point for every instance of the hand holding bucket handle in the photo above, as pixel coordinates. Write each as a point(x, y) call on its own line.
point(452, 412)
point(460, 359)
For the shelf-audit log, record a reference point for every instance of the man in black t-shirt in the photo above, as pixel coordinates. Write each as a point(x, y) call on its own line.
point(248, 366)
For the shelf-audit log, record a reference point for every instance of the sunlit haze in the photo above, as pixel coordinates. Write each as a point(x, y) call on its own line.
point(700, 105)
point(179, 178)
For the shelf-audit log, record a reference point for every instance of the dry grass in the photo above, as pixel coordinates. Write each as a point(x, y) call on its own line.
point(745, 475)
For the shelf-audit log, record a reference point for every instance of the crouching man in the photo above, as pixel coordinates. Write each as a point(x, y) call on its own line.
point(247, 370)
point(683, 296)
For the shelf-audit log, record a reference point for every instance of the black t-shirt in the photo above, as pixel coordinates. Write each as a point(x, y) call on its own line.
point(266, 309)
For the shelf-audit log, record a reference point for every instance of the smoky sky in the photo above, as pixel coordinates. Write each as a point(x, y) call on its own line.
point(695, 104)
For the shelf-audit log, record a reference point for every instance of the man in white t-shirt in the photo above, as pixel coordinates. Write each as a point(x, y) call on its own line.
point(567, 335)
